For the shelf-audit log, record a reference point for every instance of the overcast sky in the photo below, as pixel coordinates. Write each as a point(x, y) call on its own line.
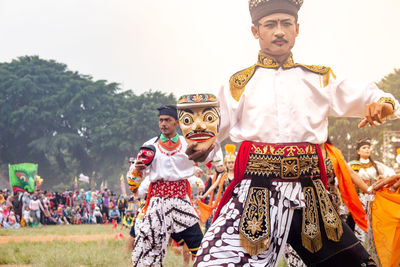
point(187, 46)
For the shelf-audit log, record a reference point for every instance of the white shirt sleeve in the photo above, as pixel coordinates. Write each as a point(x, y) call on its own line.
point(349, 99)
point(144, 187)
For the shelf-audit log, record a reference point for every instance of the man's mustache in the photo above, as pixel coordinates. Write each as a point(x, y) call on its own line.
point(280, 39)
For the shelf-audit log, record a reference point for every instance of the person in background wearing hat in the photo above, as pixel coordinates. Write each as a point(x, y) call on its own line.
point(370, 171)
point(168, 211)
point(278, 109)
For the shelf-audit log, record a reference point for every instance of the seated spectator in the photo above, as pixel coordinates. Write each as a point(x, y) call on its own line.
point(10, 222)
point(128, 219)
point(97, 214)
point(77, 217)
point(114, 214)
point(85, 217)
point(4, 212)
point(91, 218)
point(53, 218)
point(61, 216)
point(68, 215)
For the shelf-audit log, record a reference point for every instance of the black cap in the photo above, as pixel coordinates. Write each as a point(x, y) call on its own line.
point(168, 110)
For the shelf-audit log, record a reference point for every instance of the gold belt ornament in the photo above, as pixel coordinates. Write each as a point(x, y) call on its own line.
point(311, 234)
point(254, 226)
point(282, 167)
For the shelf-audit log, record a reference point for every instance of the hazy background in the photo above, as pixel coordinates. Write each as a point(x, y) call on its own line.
point(184, 46)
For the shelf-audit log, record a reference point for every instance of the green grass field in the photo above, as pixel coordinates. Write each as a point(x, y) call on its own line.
point(66, 253)
point(59, 253)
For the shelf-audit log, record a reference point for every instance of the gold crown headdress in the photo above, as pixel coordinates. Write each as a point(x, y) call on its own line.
point(230, 152)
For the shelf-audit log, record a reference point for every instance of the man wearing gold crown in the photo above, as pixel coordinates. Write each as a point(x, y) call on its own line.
point(278, 109)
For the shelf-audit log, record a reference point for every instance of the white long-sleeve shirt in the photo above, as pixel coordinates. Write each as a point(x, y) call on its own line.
point(170, 165)
point(292, 105)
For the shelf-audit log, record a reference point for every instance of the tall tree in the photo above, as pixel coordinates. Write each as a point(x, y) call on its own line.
point(69, 123)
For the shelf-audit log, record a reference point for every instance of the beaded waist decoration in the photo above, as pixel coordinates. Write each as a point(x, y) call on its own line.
point(283, 162)
point(169, 189)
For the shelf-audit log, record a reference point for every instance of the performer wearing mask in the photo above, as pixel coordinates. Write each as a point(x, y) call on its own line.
point(168, 209)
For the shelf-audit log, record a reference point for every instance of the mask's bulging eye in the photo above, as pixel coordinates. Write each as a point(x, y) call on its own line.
point(187, 119)
point(209, 117)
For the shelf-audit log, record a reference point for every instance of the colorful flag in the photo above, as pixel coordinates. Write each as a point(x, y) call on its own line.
point(38, 181)
point(76, 184)
point(83, 178)
point(22, 177)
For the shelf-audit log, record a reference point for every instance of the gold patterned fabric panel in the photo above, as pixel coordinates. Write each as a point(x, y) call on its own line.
point(332, 222)
point(254, 226)
point(282, 167)
point(267, 61)
point(239, 80)
point(287, 162)
point(311, 233)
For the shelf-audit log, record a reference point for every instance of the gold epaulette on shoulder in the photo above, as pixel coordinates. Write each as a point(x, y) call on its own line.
point(326, 72)
point(238, 81)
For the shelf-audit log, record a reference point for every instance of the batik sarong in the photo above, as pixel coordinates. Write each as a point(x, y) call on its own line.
point(165, 216)
point(221, 244)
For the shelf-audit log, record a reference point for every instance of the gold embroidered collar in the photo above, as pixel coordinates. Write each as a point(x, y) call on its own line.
point(239, 80)
point(267, 61)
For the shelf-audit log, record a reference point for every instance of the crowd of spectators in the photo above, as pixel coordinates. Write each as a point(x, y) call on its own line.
point(51, 208)
point(21, 209)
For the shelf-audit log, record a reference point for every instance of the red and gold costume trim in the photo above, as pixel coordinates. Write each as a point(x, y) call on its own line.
point(169, 189)
point(282, 162)
point(177, 189)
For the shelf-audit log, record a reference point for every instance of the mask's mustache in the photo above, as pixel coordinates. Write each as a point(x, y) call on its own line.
point(203, 132)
